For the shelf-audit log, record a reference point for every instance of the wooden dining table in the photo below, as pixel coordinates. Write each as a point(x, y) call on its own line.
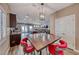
point(40, 44)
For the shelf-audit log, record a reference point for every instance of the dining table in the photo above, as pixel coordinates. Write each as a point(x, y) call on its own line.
point(41, 41)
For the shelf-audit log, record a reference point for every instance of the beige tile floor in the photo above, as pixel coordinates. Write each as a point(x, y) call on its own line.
point(18, 50)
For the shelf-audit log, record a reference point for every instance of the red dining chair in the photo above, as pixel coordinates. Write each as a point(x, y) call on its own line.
point(52, 48)
point(62, 45)
point(57, 49)
point(60, 52)
point(26, 47)
point(23, 41)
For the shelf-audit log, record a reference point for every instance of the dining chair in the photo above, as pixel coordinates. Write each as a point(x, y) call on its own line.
point(26, 47)
point(62, 45)
point(57, 48)
point(23, 41)
point(52, 48)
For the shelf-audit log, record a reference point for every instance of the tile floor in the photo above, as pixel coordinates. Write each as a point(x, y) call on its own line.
point(18, 50)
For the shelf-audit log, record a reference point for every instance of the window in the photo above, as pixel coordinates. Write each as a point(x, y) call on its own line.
point(2, 25)
point(30, 28)
point(24, 29)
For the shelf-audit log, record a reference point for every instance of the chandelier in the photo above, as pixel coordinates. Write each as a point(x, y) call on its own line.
point(41, 14)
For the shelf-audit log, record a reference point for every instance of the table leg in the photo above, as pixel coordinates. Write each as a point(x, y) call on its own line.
point(40, 52)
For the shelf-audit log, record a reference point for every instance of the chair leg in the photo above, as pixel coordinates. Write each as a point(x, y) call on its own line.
point(24, 53)
point(36, 52)
point(40, 52)
point(46, 51)
point(27, 53)
point(49, 54)
point(33, 53)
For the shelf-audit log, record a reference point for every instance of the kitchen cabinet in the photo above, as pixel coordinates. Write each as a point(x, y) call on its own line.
point(12, 18)
point(15, 39)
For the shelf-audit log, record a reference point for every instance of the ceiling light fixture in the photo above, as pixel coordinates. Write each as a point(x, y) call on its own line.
point(26, 16)
point(41, 14)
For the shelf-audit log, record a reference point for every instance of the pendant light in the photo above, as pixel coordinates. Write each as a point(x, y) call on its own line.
point(41, 14)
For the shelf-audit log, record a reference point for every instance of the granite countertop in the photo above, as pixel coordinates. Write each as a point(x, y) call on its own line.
point(13, 33)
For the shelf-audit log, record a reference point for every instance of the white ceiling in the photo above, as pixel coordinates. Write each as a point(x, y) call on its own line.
point(32, 10)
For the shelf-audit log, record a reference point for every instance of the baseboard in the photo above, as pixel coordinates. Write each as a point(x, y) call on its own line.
point(70, 49)
point(76, 50)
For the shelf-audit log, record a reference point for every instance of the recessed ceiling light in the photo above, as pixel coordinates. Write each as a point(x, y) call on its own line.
point(42, 16)
point(26, 16)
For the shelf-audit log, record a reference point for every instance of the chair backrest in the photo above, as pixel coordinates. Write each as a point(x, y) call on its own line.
point(62, 44)
point(25, 39)
point(23, 43)
point(62, 41)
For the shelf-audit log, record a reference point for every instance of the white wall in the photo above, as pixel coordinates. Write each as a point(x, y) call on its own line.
point(65, 27)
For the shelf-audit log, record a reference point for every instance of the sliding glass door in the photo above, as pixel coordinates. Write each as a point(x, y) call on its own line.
point(26, 30)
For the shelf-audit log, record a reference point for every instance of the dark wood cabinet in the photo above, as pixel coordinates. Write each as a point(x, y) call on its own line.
point(15, 39)
point(12, 18)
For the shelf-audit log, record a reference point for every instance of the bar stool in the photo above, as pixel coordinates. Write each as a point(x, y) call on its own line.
point(26, 47)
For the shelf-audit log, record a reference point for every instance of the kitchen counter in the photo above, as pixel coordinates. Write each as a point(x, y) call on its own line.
point(15, 39)
point(13, 33)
